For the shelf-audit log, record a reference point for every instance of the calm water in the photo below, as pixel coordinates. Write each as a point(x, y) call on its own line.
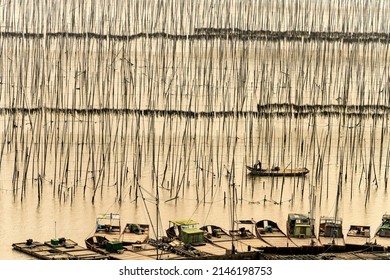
point(71, 147)
point(202, 177)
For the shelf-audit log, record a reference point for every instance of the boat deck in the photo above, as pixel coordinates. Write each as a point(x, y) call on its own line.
point(247, 239)
point(269, 232)
point(211, 249)
point(225, 244)
point(276, 238)
point(332, 241)
point(110, 236)
point(357, 235)
point(356, 240)
point(207, 249)
point(279, 241)
point(135, 233)
point(382, 241)
point(143, 252)
point(68, 251)
point(132, 238)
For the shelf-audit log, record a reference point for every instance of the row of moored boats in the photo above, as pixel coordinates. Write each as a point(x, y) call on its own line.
point(186, 238)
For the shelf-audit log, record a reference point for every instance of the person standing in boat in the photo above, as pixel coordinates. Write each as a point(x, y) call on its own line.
point(258, 165)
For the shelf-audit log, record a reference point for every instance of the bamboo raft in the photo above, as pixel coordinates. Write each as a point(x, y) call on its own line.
point(61, 249)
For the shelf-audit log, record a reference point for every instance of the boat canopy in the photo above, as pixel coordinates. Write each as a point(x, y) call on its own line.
point(184, 222)
point(245, 222)
point(108, 219)
point(386, 217)
point(331, 220)
point(188, 232)
point(298, 219)
point(384, 228)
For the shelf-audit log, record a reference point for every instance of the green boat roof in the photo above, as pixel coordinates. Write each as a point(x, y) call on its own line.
point(183, 222)
point(385, 225)
point(298, 217)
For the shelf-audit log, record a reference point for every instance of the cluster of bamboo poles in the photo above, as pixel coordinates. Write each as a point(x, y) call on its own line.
point(193, 76)
point(186, 114)
point(95, 153)
point(182, 17)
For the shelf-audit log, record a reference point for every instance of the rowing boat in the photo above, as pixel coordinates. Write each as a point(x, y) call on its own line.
point(277, 171)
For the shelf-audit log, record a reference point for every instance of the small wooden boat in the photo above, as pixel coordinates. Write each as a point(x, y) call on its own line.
point(331, 233)
point(222, 238)
point(109, 237)
point(247, 239)
point(213, 233)
point(270, 232)
point(109, 226)
point(382, 234)
point(131, 243)
point(134, 233)
point(277, 171)
point(358, 236)
point(186, 237)
point(300, 230)
point(106, 237)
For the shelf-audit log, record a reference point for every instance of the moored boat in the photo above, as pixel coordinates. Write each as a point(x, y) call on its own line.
point(222, 238)
point(300, 230)
point(358, 231)
point(107, 234)
point(247, 239)
point(188, 238)
point(270, 232)
point(382, 234)
point(134, 233)
point(187, 231)
point(109, 226)
point(358, 236)
point(214, 233)
point(331, 233)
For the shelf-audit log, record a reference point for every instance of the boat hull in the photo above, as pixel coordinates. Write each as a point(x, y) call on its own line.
point(278, 173)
